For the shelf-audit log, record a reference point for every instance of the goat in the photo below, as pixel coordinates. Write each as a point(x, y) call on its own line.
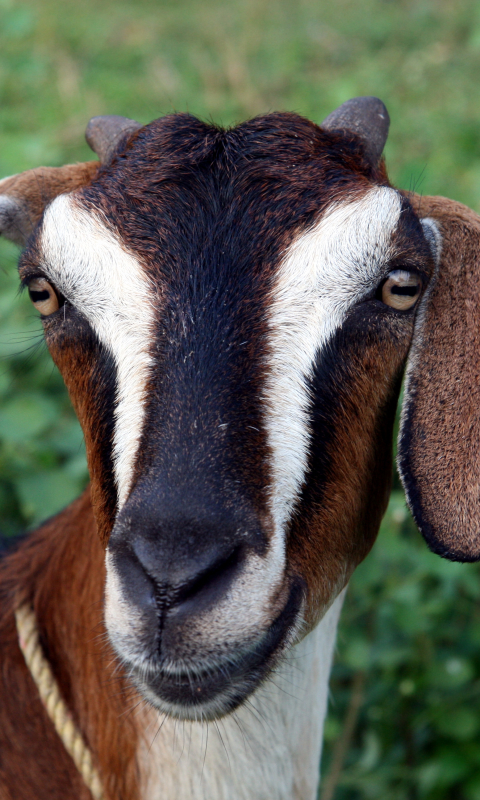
point(232, 312)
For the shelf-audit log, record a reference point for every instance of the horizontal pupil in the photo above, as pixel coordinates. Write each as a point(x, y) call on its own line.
point(410, 291)
point(38, 297)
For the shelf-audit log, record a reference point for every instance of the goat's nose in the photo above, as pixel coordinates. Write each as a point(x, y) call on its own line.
point(189, 583)
point(181, 556)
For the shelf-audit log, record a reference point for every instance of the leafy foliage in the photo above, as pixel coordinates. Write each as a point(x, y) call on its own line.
point(42, 455)
point(406, 688)
point(409, 642)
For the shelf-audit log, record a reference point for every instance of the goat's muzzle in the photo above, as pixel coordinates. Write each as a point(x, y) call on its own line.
point(198, 606)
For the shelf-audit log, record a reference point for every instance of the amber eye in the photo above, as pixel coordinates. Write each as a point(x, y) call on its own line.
point(401, 290)
point(43, 296)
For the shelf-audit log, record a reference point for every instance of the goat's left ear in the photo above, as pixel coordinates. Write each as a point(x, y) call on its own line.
point(439, 443)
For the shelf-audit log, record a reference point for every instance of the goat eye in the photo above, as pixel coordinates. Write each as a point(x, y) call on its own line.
point(43, 296)
point(401, 290)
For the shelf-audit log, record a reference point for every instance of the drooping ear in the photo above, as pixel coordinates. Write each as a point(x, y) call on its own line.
point(23, 197)
point(439, 442)
point(366, 117)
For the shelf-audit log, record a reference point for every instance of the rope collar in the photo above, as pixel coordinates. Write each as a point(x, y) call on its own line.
point(29, 641)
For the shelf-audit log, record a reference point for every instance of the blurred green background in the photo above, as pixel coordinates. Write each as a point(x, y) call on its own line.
point(404, 720)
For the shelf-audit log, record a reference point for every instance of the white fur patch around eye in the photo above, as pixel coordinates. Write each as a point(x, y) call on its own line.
point(323, 274)
point(107, 284)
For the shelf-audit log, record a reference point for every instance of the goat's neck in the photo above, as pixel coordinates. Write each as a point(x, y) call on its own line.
point(269, 749)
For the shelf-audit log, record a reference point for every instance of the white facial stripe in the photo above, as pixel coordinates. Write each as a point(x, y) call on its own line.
point(324, 273)
point(107, 284)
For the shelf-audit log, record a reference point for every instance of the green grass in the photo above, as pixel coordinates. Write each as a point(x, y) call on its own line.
point(409, 644)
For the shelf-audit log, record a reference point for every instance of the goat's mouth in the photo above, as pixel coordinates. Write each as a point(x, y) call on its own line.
point(217, 689)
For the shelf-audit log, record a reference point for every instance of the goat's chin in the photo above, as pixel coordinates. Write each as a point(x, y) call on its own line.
point(219, 685)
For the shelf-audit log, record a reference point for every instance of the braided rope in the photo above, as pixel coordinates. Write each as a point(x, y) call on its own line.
point(58, 712)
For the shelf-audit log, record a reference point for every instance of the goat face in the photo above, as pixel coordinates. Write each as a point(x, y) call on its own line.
point(226, 337)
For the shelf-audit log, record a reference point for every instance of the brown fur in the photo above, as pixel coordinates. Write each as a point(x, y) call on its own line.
point(344, 521)
point(440, 439)
point(60, 568)
point(32, 190)
point(86, 386)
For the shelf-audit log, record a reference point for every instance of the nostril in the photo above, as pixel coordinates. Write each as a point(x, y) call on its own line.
point(196, 579)
point(213, 580)
point(128, 576)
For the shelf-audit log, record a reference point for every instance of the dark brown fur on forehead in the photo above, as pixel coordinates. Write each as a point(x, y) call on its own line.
point(178, 174)
point(210, 213)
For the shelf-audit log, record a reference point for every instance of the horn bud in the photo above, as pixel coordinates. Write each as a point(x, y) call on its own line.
point(105, 134)
point(366, 117)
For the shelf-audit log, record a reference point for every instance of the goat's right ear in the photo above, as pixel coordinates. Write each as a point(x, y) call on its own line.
point(439, 443)
point(23, 197)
